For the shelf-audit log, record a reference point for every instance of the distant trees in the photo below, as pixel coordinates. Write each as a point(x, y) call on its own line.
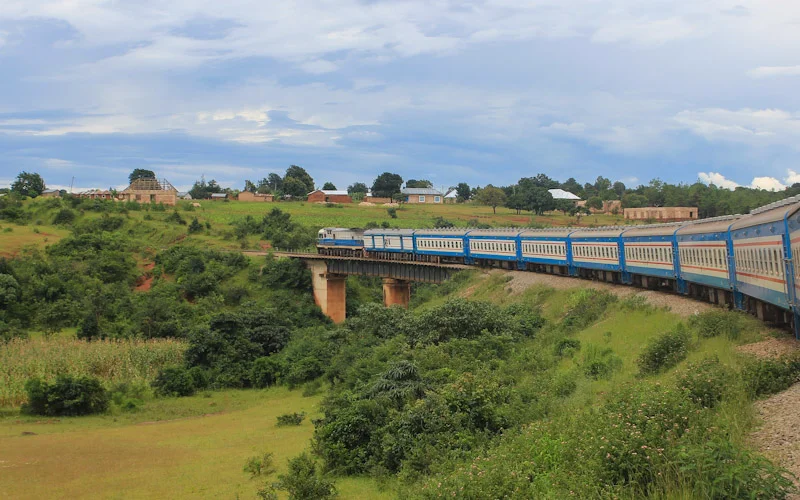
point(422, 183)
point(491, 196)
point(539, 200)
point(302, 182)
point(249, 186)
point(328, 186)
point(202, 190)
point(463, 191)
point(595, 202)
point(386, 185)
point(28, 184)
point(357, 187)
point(141, 173)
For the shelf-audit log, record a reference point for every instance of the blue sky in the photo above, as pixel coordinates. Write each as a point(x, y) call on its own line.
point(480, 91)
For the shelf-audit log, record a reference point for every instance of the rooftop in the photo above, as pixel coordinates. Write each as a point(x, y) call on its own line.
point(328, 192)
point(422, 191)
point(560, 194)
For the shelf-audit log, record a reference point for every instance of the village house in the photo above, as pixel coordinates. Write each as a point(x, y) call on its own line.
point(51, 193)
point(149, 190)
point(248, 196)
point(219, 196)
point(96, 194)
point(422, 195)
point(329, 196)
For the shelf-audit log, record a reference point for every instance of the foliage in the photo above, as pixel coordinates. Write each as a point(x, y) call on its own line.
point(202, 190)
point(491, 196)
point(714, 323)
point(67, 396)
point(357, 188)
point(297, 182)
point(260, 465)
point(175, 218)
point(386, 185)
point(764, 376)
point(195, 226)
point(329, 187)
point(304, 482)
point(174, 381)
point(65, 216)
point(141, 173)
point(665, 351)
point(463, 192)
point(291, 419)
point(392, 212)
point(706, 382)
point(285, 274)
point(442, 223)
point(599, 363)
point(595, 202)
point(584, 307)
point(28, 184)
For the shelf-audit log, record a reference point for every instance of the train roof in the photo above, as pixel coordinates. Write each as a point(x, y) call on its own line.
point(499, 231)
point(773, 212)
point(396, 232)
point(653, 229)
point(548, 232)
point(712, 225)
point(599, 232)
point(453, 231)
point(339, 229)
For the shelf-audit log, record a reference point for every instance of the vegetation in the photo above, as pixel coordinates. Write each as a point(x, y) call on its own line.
point(67, 396)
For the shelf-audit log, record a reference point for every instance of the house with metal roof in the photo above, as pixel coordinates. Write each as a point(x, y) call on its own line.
point(560, 194)
point(422, 195)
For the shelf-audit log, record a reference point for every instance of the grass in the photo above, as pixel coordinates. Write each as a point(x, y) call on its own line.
point(22, 237)
point(174, 448)
point(112, 361)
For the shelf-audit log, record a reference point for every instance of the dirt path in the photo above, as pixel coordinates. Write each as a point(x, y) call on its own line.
point(779, 436)
point(682, 306)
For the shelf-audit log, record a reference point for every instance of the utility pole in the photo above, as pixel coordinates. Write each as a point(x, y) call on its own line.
point(70, 184)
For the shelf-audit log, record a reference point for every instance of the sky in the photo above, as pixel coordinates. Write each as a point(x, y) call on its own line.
point(476, 91)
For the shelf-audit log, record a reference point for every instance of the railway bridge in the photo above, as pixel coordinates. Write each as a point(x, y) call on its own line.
point(328, 275)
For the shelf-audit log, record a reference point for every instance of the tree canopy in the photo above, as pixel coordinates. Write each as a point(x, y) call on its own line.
point(422, 183)
point(329, 186)
point(28, 184)
point(491, 196)
point(301, 177)
point(141, 173)
point(357, 187)
point(386, 185)
point(463, 192)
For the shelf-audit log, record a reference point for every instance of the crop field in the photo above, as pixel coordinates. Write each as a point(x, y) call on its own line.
point(112, 361)
point(191, 447)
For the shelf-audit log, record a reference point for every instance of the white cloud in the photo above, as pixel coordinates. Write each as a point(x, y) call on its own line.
point(717, 179)
point(751, 126)
point(767, 183)
point(773, 71)
point(58, 163)
point(792, 177)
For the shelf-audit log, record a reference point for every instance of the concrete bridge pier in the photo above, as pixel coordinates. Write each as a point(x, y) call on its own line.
point(330, 291)
point(396, 292)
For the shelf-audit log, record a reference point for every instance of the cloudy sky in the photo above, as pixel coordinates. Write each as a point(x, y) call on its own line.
point(478, 90)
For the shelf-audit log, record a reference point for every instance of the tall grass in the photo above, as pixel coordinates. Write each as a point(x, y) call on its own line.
point(112, 361)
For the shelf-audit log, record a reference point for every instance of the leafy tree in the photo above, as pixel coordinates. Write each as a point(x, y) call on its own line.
point(67, 396)
point(9, 290)
point(602, 184)
point(573, 187)
point(386, 185)
point(463, 192)
point(633, 200)
point(303, 482)
point(329, 187)
point(619, 189)
point(595, 202)
point(249, 186)
point(301, 178)
point(295, 187)
point(491, 196)
point(539, 200)
point(544, 181)
point(141, 173)
point(202, 190)
point(422, 183)
point(195, 226)
point(28, 184)
point(275, 181)
point(357, 187)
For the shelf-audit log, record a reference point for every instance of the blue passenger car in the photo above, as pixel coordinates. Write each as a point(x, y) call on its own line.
point(441, 244)
point(389, 240)
point(704, 252)
point(487, 245)
point(650, 251)
point(597, 250)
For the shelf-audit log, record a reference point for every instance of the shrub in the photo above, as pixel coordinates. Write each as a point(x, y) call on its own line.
point(265, 371)
point(291, 419)
point(769, 376)
point(304, 482)
point(195, 226)
point(258, 466)
point(174, 381)
point(64, 216)
point(666, 351)
point(392, 212)
point(567, 347)
point(129, 396)
point(600, 363)
point(706, 382)
point(586, 306)
point(442, 223)
point(67, 396)
point(715, 323)
point(176, 218)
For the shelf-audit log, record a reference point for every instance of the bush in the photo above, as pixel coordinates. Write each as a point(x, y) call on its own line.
point(67, 396)
point(769, 376)
point(291, 419)
point(265, 371)
point(258, 466)
point(706, 382)
point(176, 218)
point(174, 381)
point(666, 351)
point(600, 363)
point(392, 212)
point(304, 482)
point(195, 226)
point(586, 306)
point(715, 323)
point(442, 223)
point(64, 216)
point(567, 347)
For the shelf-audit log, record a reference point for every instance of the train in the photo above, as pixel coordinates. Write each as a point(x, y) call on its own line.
point(747, 262)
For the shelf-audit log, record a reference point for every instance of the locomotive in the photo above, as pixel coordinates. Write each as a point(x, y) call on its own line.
point(749, 262)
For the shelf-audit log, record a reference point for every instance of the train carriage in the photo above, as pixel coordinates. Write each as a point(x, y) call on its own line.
point(649, 253)
point(596, 253)
point(441, 245)
point(545, 250)
point(762, 254)
point(493, 247)
point(340, 241)
point(704, 258)
point(390, 244)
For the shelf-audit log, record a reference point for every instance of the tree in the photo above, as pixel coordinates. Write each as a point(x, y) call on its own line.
point(249, 186)
point(515, 202)
point(422, 183)
point(141, 173)
point(602, 184)
point(573, 187)
point(300, 174)
point(539, 200)
point(202, 190)
point(491, 196)
point(619, 188)
point(544, 181)
point(28, 184)
point(463, 192)
point(595, 202)
point(386, 185)
point(633, 200)
point(295, 187)
point(357, 187)
point(275, 181)
point(329, 187)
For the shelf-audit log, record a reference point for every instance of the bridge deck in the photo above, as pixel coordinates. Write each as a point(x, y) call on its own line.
point(316, 256)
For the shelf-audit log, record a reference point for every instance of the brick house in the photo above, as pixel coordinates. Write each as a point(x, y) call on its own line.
point(150, 191)
point(422, 195)
point(248, 196)
point(326, 196)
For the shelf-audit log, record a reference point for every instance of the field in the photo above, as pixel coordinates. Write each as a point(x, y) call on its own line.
point(177, 448)
point(14, 238)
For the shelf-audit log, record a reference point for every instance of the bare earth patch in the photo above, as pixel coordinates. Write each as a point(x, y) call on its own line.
point(682, 306)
